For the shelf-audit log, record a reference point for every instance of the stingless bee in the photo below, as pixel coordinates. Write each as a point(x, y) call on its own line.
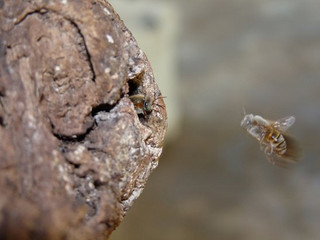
point(144, 105)
point(279, 148)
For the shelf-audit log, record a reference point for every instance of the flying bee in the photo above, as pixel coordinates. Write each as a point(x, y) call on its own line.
point(144, 105)
point(279, 148)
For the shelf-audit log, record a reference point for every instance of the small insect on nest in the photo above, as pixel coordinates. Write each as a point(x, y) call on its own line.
point(144, 105)
point(279, 148)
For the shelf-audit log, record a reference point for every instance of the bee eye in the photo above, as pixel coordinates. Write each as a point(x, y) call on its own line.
point(148, 107)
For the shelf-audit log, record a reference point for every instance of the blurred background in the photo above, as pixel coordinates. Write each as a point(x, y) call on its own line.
point(211, 58)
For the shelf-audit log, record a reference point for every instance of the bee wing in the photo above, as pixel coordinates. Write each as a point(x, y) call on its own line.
point(280, 161)
point(284, 123)
point(136, 97)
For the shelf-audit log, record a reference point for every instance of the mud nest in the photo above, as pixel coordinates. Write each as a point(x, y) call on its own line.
point(76, 144)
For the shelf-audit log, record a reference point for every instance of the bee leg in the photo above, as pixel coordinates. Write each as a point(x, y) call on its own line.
point(268, 150)
point(278, 161)
point(263, 146)
point(273, 158)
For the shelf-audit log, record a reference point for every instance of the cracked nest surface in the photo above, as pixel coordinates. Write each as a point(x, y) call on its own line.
point(76, 150)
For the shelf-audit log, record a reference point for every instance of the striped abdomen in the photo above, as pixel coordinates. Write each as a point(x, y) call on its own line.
point(276, 139)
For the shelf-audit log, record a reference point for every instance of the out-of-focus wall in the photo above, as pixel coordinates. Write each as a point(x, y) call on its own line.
point(156, 27)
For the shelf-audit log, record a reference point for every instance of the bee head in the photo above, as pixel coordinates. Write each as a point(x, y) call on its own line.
point(247, 121)
point(148, 106)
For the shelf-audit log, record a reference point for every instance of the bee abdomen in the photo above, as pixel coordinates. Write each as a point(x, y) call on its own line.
point(278, 141)
point(281, 146)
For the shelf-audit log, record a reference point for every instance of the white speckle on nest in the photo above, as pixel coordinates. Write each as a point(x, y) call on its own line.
point(69, 189)
point(127, 34)
point(61, 169)
point(107, 11)
point(65, 178)
point(79, 150)
point(90, 185)
point(107, 70)
point(32, 121)
point(110, 39)
point(64, 1)
point(57, 68)
point(55, 153)
point(115, 76)
point(102, 178)
point(135, 194)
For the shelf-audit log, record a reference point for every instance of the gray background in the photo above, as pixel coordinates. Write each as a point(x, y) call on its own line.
point(213, 182)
